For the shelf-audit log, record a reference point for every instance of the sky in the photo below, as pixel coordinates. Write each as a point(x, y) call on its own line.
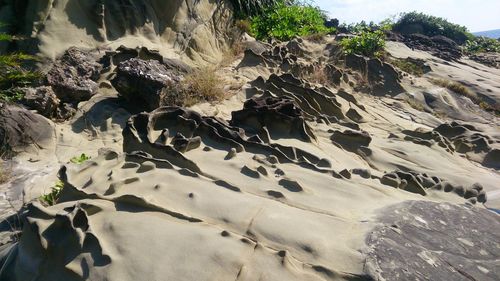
point(477, 15)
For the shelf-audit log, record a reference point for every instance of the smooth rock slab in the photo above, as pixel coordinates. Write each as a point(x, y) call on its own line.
point(421, 240)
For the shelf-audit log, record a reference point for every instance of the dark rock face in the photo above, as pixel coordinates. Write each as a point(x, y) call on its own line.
point(279, 116)
point(73, 77)
point(382, 77)
point(440, 46)
point(316, 104)
point(42, 99)
point(20, 128)
point(421, 240)
point(141, 81)
point(123, 53)
point(488, 59)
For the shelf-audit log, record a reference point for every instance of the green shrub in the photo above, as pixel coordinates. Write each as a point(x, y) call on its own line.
point(367, 43)
point(482, 45)
point(430, 25)
point(51, 198)
point(284, 21)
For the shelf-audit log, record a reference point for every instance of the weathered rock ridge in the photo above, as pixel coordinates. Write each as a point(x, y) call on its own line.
point(195, 29)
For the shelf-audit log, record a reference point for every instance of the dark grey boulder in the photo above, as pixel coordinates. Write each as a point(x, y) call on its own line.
point(143, 82)
point(73, 76)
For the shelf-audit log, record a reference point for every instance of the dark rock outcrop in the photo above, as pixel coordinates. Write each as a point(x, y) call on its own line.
point(144, 82)
point(73, 77)
point(316, 104)
point(273, 117)
point(440, 46)
point(488, 59)
point(441, 241)
point(122, 53)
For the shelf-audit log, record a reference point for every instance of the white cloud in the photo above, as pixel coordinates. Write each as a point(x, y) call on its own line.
point(476, 15)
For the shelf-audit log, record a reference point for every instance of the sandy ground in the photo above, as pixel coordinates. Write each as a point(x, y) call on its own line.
point(213, 214)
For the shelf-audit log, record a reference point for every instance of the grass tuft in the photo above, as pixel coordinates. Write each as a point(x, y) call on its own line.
point(456, 87)
point(462, 90)
point(202, 85)
point(234, 52)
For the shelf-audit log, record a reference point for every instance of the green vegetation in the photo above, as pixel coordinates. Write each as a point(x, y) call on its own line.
point(482, 45)
point(367, 43)
point(284, 20)
point(14, 72)
point(414, 22)
point(51, 198)
point(80, 159)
